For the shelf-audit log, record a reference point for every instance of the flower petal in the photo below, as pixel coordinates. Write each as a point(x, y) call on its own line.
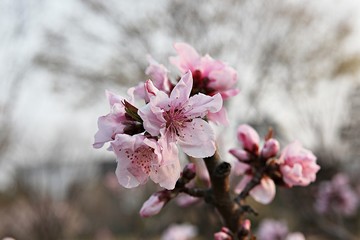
point(197, 139)
point(128, 175)
point(219, 117)
point(187, 58)
point(181, 92)
point(153, 118)
point(109, 126)
point(169, 170)
point(264, 192)
point(113, 98)
point(199, 105)
point(158, 73)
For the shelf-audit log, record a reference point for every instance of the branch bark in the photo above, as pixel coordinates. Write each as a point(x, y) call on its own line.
point(219, 175)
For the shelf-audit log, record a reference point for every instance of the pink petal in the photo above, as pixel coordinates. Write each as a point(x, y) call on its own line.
point(226, 94)
point(169, 170)
point(113, 98)
point(184, 200)
point(197, 139)
point(240, 154)
point(109, 126)
point(152, 206)
point(153, 118)
point(199, 105)
point(139, 92)
point(158, 73)
point(127, 179)
point(181, 92)
point(223, 79)
point(128, 175)
point(264, 192)
point(188, 58)
point(219, 117)
point(270, 149)
point(208, 65)
point(249, 138)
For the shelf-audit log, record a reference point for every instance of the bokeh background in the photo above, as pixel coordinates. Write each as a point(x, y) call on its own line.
point(298, 66)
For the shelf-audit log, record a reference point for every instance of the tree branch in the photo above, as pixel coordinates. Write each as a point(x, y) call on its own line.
point(219, 175)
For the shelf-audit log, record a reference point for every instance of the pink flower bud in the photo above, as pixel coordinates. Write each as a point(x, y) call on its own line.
point(246, 224)
point(154, 204)
point(245, 229)
point(270, 149)
point(189, 171)
point(240, 154)
point(249, 138)
point(298, 165)
point(224, 234)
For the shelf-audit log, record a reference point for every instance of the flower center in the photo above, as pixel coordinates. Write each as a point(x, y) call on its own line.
point(175, 119)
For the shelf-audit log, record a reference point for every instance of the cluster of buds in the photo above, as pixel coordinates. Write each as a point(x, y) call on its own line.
point(263, 169)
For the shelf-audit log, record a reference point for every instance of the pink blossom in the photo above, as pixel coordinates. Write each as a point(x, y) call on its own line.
point(337, 196)
point(249, 138)
point(140, 158)
point(298, 165)
point(113, 123)
point(153, 205)
point(178, 117)
point(179, 232)
point(159, 75)
point(210, 76)
point(270, 149)
point(272, 230)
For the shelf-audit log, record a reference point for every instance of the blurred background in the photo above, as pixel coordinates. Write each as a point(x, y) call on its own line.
point(298, 66)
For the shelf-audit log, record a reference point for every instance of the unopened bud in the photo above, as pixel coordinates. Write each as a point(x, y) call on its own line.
point(247, 224)
point(154, 204)
point(245, 229)
point(270, 149)
point(240, 154)
point(189, 171)
point(249, 138)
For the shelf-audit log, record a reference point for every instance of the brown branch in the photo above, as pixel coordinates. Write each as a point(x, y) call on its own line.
point(219, 175)
point(196, 192)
